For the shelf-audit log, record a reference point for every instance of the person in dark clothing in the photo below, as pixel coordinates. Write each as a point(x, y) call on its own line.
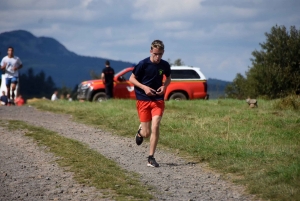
point(3, 99)
point(147, 78)
point(107, 77)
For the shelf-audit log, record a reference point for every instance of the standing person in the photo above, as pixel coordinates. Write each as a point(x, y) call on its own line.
point(11, 64)
point(147, 78)
point(107, 77)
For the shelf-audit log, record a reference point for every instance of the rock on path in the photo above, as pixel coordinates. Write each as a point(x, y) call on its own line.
point(175, 179)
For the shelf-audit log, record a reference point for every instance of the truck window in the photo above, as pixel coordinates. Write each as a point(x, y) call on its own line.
point(127, 75)
point(184, 74)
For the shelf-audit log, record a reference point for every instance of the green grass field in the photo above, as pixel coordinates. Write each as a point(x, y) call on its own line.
point(260, 147)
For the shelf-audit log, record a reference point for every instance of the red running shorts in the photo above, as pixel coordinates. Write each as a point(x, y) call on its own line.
point(148, 109)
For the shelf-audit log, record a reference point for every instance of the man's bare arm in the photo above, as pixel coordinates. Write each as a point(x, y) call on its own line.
point(103, 77)
point(19, 67)
point(4, 66)
point(161, 90)
point(167, 82)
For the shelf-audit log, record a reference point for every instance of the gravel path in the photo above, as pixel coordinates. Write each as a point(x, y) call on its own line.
point(29, 173)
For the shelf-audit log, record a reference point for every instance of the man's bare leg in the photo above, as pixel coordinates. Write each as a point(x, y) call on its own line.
point(8, 92)
point(154, 134)
point(150, 128)
point(13, 88)
point(146, 129)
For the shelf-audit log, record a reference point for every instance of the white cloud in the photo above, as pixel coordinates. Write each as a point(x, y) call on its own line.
point(173, 25)
point(165, 10)
point(217, 36)
point(86, 3)
point(38, 4)
point(223, 65)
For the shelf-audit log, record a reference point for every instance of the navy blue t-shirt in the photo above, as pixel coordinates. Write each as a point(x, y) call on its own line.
point(151, 75)
point(4, 99)
point(109, 74)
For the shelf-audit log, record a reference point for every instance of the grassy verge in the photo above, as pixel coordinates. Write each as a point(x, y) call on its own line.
point(89, 167)
point(260, 147)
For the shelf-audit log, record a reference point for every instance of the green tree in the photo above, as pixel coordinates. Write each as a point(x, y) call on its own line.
point(37, 86)
point(63, 91)
point(94, 75)
point(237, 88)
point(275, 70)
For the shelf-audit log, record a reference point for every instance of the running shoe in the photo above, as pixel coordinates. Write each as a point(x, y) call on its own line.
point(152, 162)
point(138, 138)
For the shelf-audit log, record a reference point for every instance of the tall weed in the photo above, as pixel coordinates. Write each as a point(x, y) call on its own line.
point(290, 102)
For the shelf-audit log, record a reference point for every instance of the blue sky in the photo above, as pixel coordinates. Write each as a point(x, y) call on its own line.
point(216, 35)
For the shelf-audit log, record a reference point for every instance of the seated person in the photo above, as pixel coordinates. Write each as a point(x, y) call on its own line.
point(3, 99)
point(69, 98)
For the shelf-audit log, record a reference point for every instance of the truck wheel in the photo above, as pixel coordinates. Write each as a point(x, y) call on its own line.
point(99, 97)
point(177, 96)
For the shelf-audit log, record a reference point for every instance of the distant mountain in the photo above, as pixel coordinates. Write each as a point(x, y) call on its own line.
point(47, 54)
point(216, 88)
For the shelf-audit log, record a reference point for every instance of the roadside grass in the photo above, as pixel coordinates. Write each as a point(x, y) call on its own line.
point(89, 167)
point(259, 147)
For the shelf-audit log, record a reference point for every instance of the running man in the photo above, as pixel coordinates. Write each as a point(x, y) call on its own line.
point(11, 64)
point(147, 78)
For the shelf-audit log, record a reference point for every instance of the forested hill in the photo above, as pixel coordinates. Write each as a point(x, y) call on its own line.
point(46, 54)
point(216, 88)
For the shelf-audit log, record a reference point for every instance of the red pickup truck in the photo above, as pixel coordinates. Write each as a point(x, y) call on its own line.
point(187, 83)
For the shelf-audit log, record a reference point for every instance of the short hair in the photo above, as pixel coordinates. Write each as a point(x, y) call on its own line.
point(106, 62)
point(157, 44)
point(10, 47)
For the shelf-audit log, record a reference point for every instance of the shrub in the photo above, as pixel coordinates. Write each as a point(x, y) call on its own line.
point(289, 102)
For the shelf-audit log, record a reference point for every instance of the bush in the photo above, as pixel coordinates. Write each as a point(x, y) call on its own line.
point(289, 102)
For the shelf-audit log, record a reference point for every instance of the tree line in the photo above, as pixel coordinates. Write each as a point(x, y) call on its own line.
point(275, 70)
point(39, 85)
